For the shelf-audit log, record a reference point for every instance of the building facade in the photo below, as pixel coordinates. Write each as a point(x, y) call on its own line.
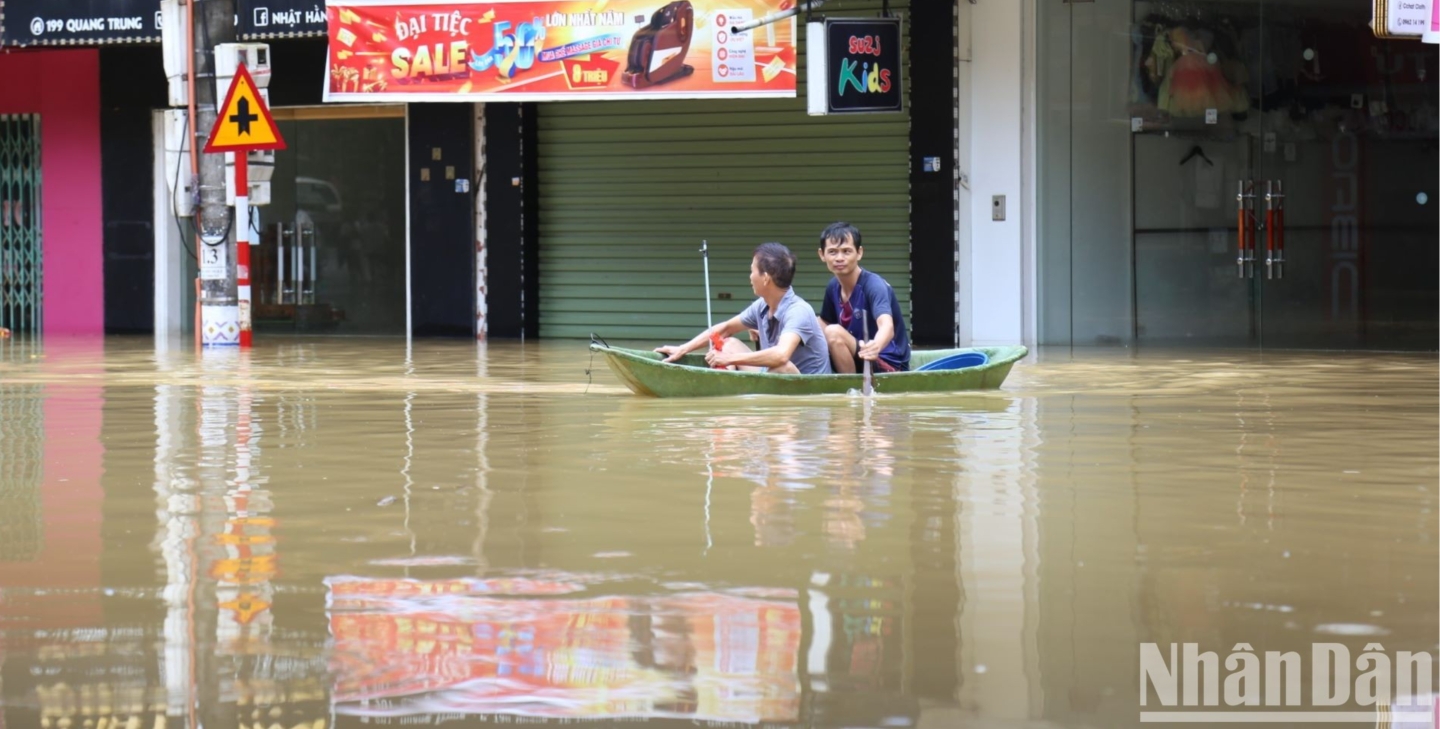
point(1063, 173)
point(1154, 118)
point(75, 228)
point(363, 229)
point(1069, 217)
point(50, 199)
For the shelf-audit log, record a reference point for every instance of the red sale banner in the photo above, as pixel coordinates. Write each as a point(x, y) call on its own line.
point(553, 50)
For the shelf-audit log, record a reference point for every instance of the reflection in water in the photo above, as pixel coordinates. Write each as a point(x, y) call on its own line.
point(998, 556)
point(22, 460)
point(341, 533)
point(405, 647)
point(223, 661)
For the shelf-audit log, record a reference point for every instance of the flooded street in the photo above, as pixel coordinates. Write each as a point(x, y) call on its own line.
point(339, 532)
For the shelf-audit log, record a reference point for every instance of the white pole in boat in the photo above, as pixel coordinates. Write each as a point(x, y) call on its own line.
point(705, 256)
point(868, 388)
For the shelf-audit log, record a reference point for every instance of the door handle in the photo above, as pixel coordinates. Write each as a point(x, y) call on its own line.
point(1245, 229)
point(1274, 229)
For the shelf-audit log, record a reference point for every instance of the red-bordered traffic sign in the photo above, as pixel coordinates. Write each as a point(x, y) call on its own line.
point(244, 123)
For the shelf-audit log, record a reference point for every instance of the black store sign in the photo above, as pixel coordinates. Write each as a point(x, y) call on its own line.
point(259, 19)
point(864, 74)
point(78, 22)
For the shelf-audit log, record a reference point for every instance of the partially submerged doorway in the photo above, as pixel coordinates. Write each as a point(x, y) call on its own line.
point(1150, 141)
point(333, 238)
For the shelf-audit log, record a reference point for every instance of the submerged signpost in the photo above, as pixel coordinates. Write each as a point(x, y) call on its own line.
point(243, 125)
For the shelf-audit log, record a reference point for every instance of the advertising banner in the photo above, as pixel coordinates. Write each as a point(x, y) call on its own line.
point(555, 50)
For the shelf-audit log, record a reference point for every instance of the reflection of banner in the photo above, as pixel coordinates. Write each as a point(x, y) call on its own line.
point(702, 656)
point(545, 50)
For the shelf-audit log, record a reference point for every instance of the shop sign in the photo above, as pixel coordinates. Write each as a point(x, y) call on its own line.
point(552, 50)
point(1401, 18)
point(78, 22)
point(260, 19)
point(859, 63)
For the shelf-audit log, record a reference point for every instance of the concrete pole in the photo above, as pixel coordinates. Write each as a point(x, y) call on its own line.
point(214, 23)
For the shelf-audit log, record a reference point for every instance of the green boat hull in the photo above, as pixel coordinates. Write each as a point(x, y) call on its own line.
point(644, 373)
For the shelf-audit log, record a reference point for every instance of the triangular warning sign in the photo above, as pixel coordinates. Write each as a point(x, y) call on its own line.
point(244, 122)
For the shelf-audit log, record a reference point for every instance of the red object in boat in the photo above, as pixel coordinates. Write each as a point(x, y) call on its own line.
point(718, 342)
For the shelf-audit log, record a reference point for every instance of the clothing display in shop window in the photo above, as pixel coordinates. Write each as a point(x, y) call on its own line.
point(1197, 80)
point(1154, 72)
point(1187, 69)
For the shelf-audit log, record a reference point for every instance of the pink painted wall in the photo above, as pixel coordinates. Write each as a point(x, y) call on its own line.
point(63, 87)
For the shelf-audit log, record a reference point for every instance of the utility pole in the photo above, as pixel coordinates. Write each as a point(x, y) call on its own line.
point(214, 23)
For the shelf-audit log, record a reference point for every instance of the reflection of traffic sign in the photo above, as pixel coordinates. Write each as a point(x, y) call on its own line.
point(245, 571)
point(244, 122)
point(246, 606)
point(244, 539)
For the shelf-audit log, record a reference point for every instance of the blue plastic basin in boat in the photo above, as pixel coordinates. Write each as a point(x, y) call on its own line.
point(956, 362)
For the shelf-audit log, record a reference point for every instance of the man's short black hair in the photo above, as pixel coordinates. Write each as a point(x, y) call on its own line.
point(776, 260)
point(839, 233)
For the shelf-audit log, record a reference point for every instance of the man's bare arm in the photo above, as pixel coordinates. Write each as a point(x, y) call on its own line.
point(724, 329)
point(776, 356)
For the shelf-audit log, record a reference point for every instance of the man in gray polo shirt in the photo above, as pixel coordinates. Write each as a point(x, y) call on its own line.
point(791, 341)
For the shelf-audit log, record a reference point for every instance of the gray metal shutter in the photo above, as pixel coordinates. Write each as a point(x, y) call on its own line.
point(628, 190)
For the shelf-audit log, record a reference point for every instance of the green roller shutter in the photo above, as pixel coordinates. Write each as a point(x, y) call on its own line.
point(629, 189)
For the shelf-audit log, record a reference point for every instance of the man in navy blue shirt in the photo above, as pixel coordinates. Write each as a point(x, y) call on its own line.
point(855, 300)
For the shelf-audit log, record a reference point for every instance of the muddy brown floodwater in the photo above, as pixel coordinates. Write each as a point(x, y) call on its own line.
point(339, 532)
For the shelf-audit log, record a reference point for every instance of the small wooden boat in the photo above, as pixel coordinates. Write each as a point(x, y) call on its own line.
point(645, 374)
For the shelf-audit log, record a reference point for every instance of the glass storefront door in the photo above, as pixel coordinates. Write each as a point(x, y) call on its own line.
point(331, 257)
point(1191, 140)
point(1349, 133)
point(1282, 176)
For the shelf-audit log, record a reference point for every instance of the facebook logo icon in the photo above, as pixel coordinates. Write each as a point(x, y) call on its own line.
point(262, 17)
